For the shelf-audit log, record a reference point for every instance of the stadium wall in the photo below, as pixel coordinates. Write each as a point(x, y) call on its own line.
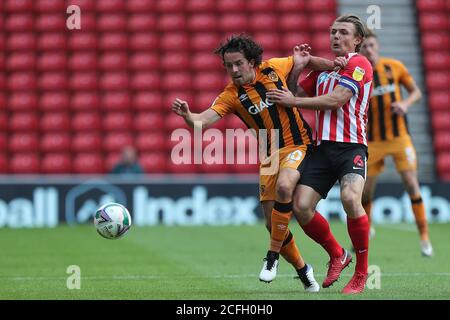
point(50, 201)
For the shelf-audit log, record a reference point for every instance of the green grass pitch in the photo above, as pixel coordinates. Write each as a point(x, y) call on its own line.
point(207, 263)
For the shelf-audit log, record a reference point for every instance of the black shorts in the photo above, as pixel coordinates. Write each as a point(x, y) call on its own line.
point(330, 161)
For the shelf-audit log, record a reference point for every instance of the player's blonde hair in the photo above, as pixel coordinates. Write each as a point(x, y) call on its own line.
point(359, 27)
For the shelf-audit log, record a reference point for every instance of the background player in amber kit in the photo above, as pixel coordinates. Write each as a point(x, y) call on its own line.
point(245, 96)
point(388, 132)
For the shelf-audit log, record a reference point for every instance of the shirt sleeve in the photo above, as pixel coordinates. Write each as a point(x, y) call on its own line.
point(405, 77)
point(224, 103)
point(356, 73)
point(309, 83)
point(283, 65)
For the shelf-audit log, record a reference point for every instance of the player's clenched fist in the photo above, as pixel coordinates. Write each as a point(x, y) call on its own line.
point(180, 107)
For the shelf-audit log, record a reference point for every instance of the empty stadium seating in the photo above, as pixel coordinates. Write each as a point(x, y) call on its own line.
point(434, 25)
point(74, 98)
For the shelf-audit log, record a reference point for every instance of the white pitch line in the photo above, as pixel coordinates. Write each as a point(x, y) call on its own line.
point(230, 276)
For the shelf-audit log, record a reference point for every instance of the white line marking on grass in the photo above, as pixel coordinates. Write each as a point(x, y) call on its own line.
point(226, 276)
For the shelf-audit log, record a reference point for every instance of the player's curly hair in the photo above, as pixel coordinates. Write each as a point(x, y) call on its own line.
point(243, 44)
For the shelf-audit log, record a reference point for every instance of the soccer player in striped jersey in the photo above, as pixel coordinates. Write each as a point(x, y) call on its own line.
point(388, 132)
point(245, 96)
point(341, 99)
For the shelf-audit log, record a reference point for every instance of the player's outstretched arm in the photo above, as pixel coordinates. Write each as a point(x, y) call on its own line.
point(322, 64)
point(203, 119)
point(301, 59)
point(331, 101)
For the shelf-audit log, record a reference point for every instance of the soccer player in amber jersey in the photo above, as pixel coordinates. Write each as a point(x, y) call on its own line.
point(388, 132)
point(245, 96)
point(341, 98)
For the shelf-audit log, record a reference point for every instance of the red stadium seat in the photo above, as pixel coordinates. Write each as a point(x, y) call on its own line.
point(142, 22)
point(147, 101)
point(203, 100)
point(141, 61)
point(86, 121)
point(208, 81)
point(146, 81)
point(112, 22)
point(25, 163)
point(56, 163)
point(231, 5)
point(2, 82)
point(113, 61)
point(84, 81)
point(201, 22)
point(22, 101)
point(200, 6)
point(24, 142)
point(83, 41)
point(170, 6)
point(85, 101)
point(174, 122)
point(53, 81)
point(435, 41)
point(56, 41)
point(216, 168)
point(443, 163)
point(114, 41)
point(433, 22)
point(19, 5)
point(233, 23)
point(261, 6)
point(52, 61)
point(291, 5)
point(205, 61)
point(88, 21)
point(153, 162)
point(55, 121)
point(116, 101)
point(54, 101)
point(321, 42)
point(24, 122)
point(149, 122)
point(111, 5)
point(263, 22)
point(22, 81)
point(438, 80)
point(88, 163)
point(177, 81)
point(144, 41)
point(442, 141)
point(204, 42)
point(182, 168)
point(270, 41)
point(437, 60)
point(19, 22)
point(3, 121)
point(50, 6)
point(170, 97)
point(114, 81)
point(323, 6)
point(88, 5)
point(175, 61)
point(4, 163)
point(118, 121)
point(171, 22)
point(21, 42)
point(291, 39)
point(3, 142)
point(175, 42)
point(430, 5)
point(87, 142)
point(294, 21)
point(116, 141)
point(56, 142)
point(146, 142)
point(50, 22)
point(440, 120)
point(111, 160)
point(439, 100)
point(321, 21)
point(140, 5)
point(83, 61)
point(21, 61)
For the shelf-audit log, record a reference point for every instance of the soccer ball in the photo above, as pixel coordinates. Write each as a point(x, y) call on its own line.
point(112, 220)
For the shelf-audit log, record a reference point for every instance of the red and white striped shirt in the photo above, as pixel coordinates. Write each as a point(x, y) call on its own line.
point(348, 123)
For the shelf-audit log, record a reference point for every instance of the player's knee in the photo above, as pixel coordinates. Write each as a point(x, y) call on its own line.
point(284, 191)
point(350, 199)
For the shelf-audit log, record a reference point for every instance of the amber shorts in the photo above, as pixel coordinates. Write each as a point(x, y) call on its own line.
point(400, 148)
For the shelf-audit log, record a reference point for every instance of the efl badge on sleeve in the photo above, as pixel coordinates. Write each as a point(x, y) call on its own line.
point(358, 74)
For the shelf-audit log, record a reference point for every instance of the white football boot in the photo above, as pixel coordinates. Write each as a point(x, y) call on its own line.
point(307, 278)
point(270, 267)
point(426, 248)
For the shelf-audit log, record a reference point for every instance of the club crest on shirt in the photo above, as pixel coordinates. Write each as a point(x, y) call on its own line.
point(358, 73)
point(273, 76)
